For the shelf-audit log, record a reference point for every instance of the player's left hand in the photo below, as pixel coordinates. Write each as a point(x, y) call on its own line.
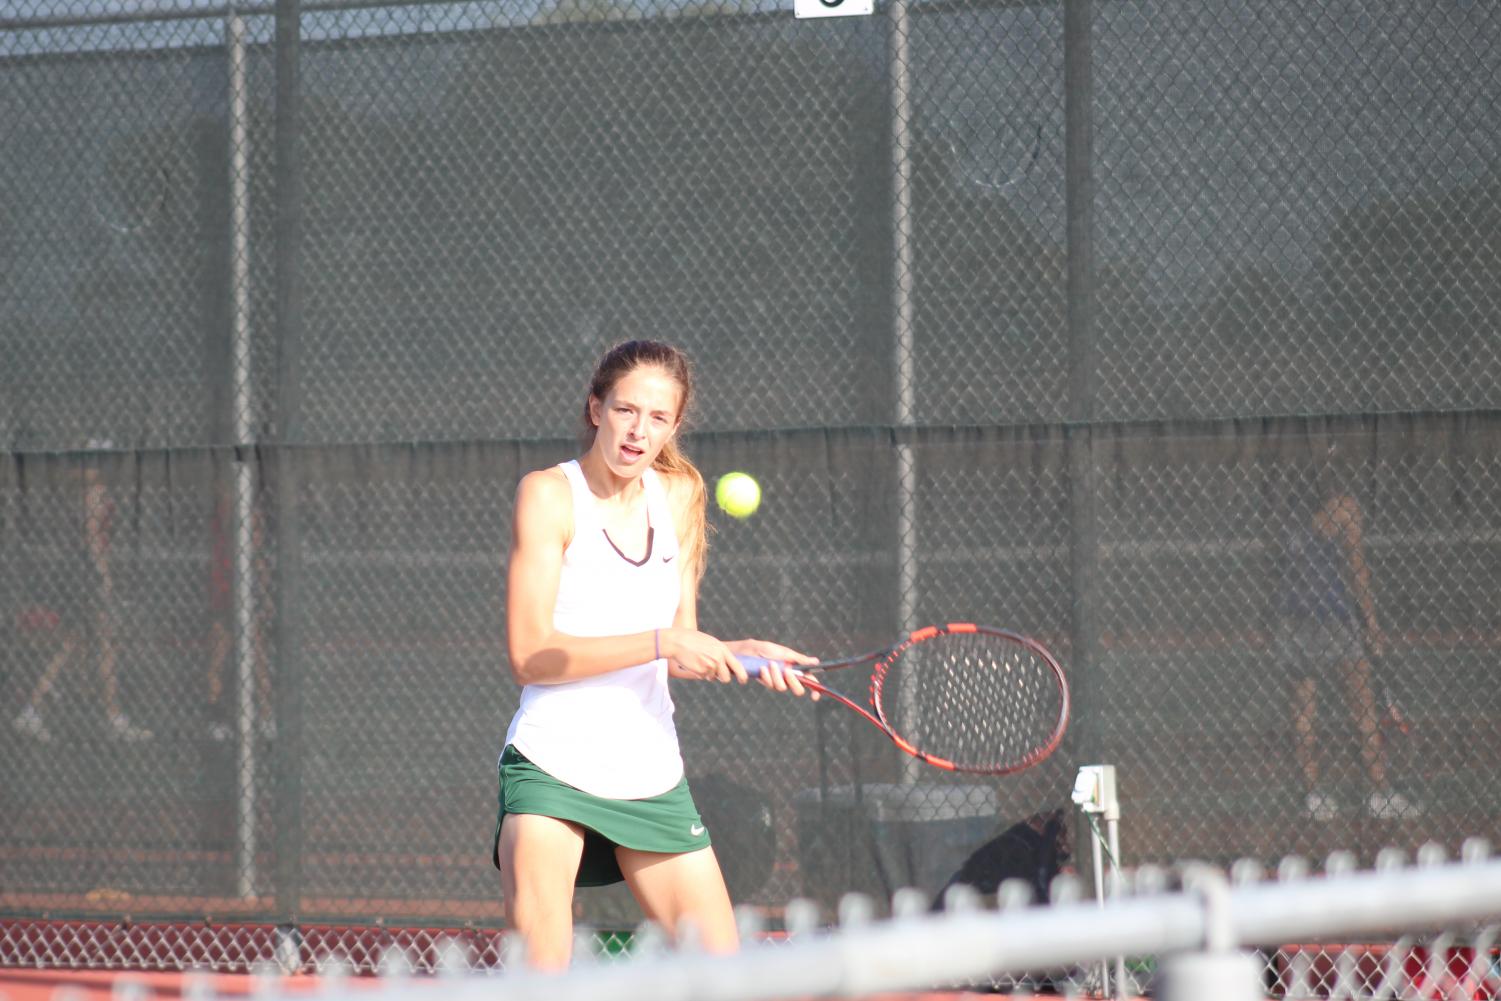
point(779, 675)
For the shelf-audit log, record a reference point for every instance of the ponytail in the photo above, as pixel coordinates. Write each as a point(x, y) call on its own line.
point(673, 460)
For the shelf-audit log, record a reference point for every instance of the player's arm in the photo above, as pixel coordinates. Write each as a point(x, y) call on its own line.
point(540, 654)
point(1349, 520)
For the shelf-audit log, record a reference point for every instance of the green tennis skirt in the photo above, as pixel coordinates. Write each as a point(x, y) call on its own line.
point(668, 823)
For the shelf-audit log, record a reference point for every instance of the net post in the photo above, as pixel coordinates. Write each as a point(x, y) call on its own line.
point(1095, 794)
point(1217, 970)
point(1224, 976)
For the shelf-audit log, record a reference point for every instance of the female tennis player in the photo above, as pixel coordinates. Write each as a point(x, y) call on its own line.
point(606, 555)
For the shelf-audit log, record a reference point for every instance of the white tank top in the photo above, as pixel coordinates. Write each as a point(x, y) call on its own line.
point(611, 735)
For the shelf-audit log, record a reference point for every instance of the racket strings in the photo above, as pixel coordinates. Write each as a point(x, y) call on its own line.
point(978, 700)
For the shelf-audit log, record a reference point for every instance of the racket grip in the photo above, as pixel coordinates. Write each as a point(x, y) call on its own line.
point(754, 664)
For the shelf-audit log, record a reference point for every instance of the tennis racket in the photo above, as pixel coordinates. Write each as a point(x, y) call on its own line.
point(960, 697)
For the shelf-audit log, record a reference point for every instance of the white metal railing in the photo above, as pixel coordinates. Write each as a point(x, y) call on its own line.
point(1203, 932)
point(1214, 938)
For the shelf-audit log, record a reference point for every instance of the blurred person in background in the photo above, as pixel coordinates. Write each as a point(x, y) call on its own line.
point(94, 624)
point(1327, 612)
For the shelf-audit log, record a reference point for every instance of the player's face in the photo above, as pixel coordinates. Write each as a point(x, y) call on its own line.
point(636, 419)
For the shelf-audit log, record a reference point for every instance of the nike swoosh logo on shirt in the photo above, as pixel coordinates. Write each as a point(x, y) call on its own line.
point(668, 559)
point(696, 830)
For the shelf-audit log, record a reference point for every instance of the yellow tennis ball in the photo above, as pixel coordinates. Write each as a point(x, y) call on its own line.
point(738, 495)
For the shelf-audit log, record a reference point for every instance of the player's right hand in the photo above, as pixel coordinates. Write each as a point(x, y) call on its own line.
point(694, 654)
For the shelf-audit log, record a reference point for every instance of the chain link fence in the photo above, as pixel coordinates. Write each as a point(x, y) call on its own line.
point(1166, 332)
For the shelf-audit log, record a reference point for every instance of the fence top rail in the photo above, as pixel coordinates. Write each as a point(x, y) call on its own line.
point(207, 10)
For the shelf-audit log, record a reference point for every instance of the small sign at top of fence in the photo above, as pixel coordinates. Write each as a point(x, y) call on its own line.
point(832, 8)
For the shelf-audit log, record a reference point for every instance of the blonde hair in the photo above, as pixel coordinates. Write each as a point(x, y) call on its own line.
point(620, 361)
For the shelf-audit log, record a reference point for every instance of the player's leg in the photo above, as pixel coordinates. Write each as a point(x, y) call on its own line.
point(104, 635)
point(673, 889)
point(1298, 653)
point(219, 642)
point(1305, 741)
point(1361, 699)
point(29, 721)
point(539, 860)
point(55, 665)
point(1384, 803)
point(120, 725)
